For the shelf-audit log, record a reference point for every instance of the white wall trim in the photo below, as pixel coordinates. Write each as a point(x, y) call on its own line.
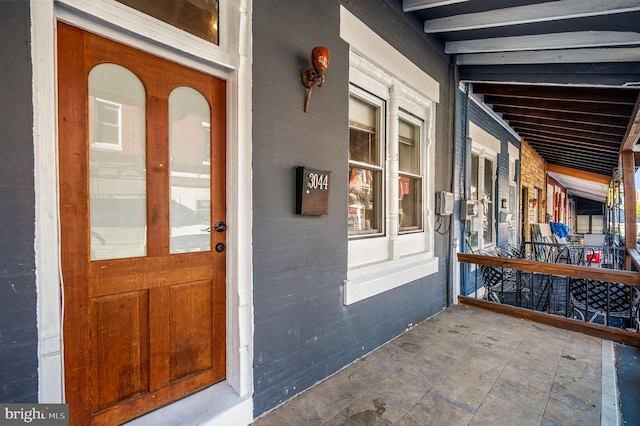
point(47, 252)
point(365, 41)
point(498, 119)
point(514, 151)
point(232, 62)
point(371, 280)
point(484, 138)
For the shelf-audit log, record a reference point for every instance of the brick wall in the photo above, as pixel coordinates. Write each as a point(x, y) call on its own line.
point(533, 171)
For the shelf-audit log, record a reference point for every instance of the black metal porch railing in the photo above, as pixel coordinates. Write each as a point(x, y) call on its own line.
point(599, 256)
point(578, 291)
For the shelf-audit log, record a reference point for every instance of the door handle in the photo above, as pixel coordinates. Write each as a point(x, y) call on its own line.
point(220, 247)
point(218, 227)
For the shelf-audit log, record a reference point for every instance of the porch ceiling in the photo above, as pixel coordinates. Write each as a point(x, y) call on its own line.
point(565, 75)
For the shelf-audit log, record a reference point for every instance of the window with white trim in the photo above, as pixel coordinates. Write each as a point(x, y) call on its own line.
point(391, 173)
point(410, 173)
point(366, 164)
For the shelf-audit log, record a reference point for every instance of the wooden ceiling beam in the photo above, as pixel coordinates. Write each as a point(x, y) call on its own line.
point(515, 120)
point(599, 169)
point(571, 153)
point(572, 116)
point(607, 110)
point(580, 174)
point(602, 149)
point(563, 148)
point(559, 93)
point(413, 5)
point(560, 56)
point(609, 140)
point(603, 168)
point(565, 40)
point(542, 12)
point(632, 134)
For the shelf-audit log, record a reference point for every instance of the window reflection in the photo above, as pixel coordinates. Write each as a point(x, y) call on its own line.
point(190, 181)
point(118, 206)
point(364, 188)
point(365, 172)
point(410, 181)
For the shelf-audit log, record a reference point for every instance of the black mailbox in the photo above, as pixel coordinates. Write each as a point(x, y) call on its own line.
point(312, 191)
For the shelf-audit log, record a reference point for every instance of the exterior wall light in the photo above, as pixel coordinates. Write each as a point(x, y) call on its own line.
point(315, 77)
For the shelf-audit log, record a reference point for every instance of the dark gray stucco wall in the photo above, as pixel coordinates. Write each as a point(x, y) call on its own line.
point(18, 335)
point(303, 331)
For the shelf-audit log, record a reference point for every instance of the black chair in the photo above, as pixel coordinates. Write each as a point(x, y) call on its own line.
point(590, 300)
point(504, 285)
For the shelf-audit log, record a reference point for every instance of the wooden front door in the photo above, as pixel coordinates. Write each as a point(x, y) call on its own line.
point(142, 187)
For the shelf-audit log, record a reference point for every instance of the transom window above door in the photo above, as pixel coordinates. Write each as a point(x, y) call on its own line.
point(197, 17)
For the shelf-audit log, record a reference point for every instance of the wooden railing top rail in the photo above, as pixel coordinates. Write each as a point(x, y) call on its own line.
point(635, 257)
point(605, 275)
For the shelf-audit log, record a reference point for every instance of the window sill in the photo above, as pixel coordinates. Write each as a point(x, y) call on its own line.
point(367, 281)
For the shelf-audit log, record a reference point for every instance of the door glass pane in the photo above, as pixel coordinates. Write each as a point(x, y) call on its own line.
point(117, 193)
point(197, 17)
point(190, 181)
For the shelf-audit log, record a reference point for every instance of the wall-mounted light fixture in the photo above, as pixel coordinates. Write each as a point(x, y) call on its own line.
point(533, 202)
point(315, 76)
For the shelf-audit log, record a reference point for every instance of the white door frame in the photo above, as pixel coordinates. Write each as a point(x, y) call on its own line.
point(230, 62)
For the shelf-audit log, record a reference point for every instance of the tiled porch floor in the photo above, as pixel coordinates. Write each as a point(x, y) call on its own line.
point(466, 366)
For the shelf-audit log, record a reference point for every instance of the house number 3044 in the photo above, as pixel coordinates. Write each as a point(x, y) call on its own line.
point(318, 181)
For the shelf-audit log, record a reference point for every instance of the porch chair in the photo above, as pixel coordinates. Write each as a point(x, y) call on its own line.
point(501, 284)
point(590, 300)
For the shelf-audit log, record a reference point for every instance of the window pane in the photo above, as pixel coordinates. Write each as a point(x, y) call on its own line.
point(488, 194)
point(190, 181)
point(107, 123)
point(410, 208)
point(474, 177)
point(118, 187)
point(363, 132)
point(364, 201)
point(409, 147)
point(197, 17)
point(488, 179)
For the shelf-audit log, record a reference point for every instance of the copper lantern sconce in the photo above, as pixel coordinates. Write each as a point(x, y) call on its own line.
point(315, 76)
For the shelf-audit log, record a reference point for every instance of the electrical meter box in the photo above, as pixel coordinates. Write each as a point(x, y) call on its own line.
point(444, 203)
point(468, 209)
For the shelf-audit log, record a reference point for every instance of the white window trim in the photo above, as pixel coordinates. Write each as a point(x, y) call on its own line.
point(231, 61)
point(422, 125)
point(381, 103)
point(379, 264)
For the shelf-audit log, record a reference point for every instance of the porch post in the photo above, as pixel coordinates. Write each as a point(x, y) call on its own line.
point(629, 182)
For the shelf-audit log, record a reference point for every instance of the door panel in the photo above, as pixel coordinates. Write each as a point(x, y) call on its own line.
point(144, 297)
point(121, 362)
point(191, 326)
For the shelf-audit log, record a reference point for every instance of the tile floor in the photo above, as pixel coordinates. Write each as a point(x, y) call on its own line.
point(464, 366)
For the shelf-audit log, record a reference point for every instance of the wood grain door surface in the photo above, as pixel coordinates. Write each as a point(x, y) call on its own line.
point(144, 330)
